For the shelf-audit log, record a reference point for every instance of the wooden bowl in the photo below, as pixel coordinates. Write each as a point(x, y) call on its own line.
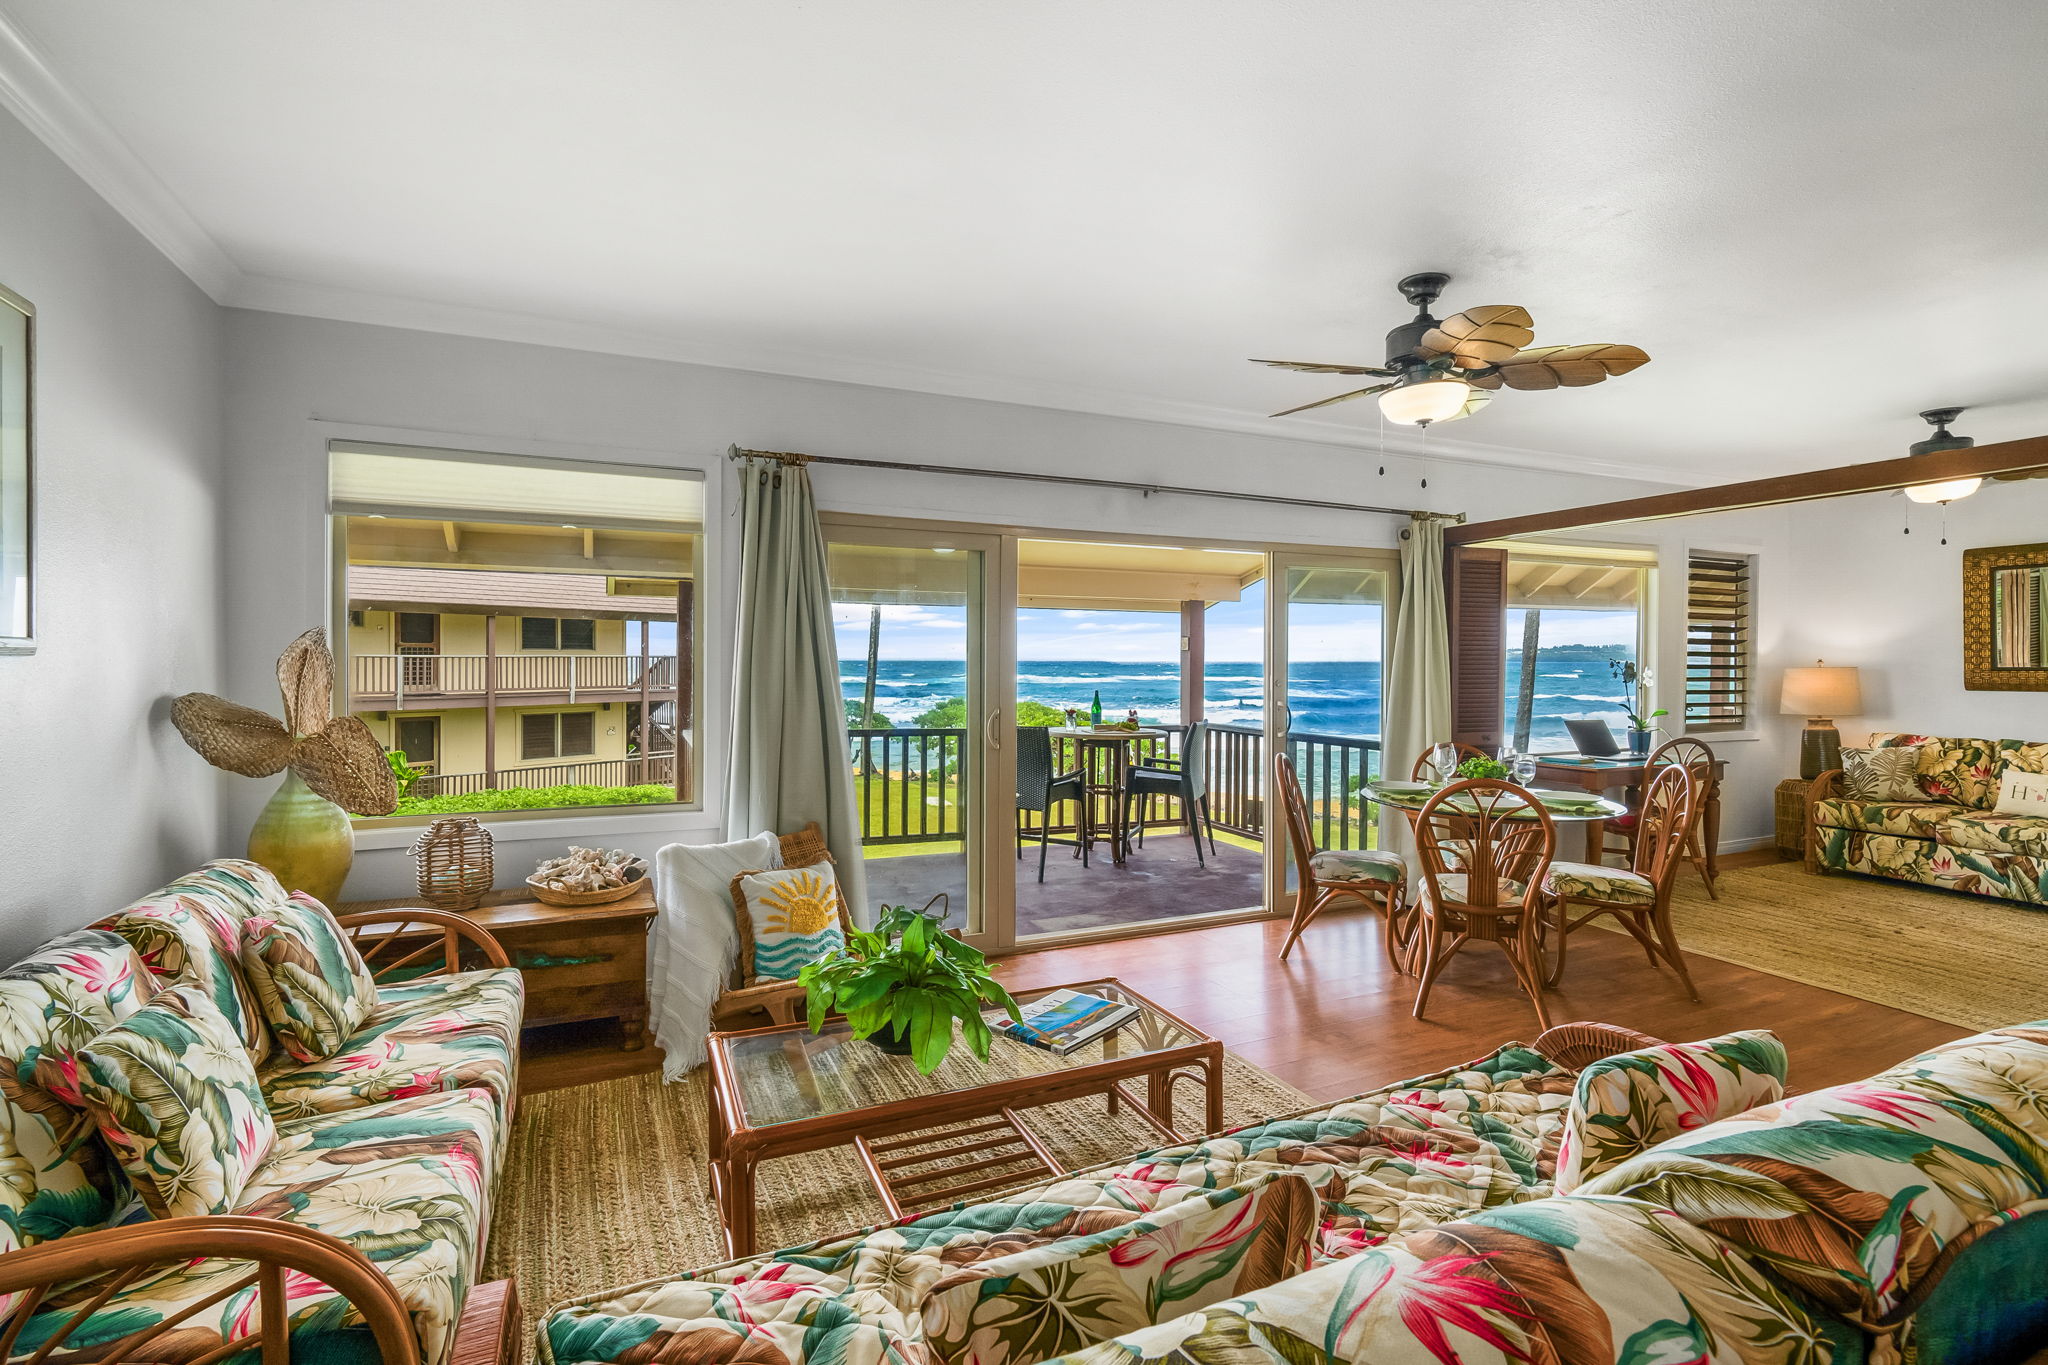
point(547, 895)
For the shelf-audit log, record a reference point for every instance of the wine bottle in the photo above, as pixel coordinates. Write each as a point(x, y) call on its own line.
point(1095, 711)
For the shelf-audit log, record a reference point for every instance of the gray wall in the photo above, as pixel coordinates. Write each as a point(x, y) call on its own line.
point(99, 799)
point(295, 383)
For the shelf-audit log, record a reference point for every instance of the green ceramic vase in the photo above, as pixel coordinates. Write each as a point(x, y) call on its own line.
point(305, 839)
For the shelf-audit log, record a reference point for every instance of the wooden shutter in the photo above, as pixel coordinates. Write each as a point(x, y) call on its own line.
point(537, 736)
point(579, 733)
point(1476, 583)
point(1717, 642)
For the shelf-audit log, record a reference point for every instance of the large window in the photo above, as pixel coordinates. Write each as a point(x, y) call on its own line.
point(543, 612)
point(1574, 641)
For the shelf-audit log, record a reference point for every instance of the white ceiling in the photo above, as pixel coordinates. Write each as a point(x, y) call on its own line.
point(1818, 217)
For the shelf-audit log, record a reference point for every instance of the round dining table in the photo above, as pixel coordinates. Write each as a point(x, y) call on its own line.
point(1564, 806)
point(1115, 746)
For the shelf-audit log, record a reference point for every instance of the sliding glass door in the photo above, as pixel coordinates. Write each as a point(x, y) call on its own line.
point(1326, 645)
point(911, 615)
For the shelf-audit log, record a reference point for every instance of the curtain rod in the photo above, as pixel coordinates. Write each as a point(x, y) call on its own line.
point(791, 457)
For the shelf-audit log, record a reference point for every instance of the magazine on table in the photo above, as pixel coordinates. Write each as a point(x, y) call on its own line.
point(1066, 1020)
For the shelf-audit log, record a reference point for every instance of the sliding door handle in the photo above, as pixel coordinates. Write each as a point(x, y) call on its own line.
point(988, 729)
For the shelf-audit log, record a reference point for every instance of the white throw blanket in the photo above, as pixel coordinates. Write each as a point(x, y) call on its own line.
point(695, 939)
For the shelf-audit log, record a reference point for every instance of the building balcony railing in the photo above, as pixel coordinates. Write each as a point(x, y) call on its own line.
point(907, 782)
point(393, 678)
point(655, 769)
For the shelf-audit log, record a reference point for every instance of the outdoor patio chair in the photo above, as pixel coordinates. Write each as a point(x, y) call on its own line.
point(1184, 779)
point(1039, 789)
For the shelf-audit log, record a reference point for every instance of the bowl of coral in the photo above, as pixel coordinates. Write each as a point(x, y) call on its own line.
point(587, 876)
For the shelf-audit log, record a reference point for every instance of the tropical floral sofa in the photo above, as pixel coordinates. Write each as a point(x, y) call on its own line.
point(1078, 1261)
point(1952, 837)
point(359, 1181)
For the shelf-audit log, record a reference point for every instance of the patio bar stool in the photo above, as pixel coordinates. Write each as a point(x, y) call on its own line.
point(1184, 779)
point(1039, 789)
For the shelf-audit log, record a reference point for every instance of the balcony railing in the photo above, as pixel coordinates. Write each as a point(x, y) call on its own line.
point(655, 769)
point(908, 782)
point(442, 676)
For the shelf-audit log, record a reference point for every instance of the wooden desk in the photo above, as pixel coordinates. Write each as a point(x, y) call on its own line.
point(587, 962)
point(1602, 775)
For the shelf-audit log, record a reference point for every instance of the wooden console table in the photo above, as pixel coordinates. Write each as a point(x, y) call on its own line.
point(587, 962)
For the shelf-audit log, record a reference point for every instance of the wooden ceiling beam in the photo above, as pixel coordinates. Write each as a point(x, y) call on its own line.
point(1879, 476)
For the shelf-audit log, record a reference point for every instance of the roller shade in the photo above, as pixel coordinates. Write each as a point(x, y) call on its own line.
point(412, 481)
point(1718, 659)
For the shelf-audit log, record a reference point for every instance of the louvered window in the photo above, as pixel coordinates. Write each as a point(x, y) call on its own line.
point(1718, 659)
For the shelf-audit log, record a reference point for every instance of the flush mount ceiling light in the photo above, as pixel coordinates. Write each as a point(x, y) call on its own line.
point(1948, 490)
point(1439, 371)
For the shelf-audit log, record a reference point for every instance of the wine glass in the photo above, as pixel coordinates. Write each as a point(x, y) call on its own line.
point(1525, 769)
point(1444, 758)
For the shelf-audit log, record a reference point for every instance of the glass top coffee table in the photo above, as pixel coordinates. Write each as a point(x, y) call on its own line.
point(929, 1141)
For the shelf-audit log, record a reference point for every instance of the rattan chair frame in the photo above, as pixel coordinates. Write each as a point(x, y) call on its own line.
point(1499, 833)
point(1313, 896)
point(1668, 805)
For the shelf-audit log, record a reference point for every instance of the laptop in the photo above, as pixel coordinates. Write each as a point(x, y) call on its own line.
point(1593, 737)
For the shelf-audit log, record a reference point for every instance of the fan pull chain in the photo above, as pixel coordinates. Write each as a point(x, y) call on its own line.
point(1944, 523)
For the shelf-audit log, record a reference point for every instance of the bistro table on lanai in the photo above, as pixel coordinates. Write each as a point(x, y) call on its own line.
point(1105, 778)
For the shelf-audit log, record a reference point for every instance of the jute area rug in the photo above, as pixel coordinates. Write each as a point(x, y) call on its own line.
point(1965, 960)
point(606, 1184)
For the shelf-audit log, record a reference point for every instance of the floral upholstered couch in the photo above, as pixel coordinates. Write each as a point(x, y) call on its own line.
point(1078, 1261)
point(371, 1166)
point(1952, 836)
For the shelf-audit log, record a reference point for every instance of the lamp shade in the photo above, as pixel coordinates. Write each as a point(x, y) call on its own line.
point(1431, 400)
point(1822, 691)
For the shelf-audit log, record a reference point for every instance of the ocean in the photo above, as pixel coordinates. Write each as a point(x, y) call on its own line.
point(1326, 698)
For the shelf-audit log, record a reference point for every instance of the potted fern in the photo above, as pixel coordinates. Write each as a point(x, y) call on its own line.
point(903, 983)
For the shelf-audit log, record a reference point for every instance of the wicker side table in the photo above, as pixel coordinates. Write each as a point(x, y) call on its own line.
point(1791, 812)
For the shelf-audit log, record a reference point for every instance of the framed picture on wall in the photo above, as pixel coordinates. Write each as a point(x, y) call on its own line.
point(17, 468)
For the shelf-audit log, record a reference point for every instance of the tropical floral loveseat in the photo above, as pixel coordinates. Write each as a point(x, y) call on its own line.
point(1077, 1261)
point(355, 1177)
point(1952, 837)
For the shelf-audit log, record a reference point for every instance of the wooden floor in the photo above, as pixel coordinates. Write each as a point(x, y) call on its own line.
point(1334, 1020)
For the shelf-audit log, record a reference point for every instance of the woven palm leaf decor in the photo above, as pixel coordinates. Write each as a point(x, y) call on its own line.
point(333, 767)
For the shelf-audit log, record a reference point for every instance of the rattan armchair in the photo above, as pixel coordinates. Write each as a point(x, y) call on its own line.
point(781, 1001)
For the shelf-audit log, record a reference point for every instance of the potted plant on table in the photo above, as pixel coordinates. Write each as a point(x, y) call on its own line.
point(1639, 727)
point(903, 983)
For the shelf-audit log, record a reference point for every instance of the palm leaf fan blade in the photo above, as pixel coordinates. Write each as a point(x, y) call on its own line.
point(1317, 367)
point(1479, 337)
point(345, 764)
point(229, 735)
point(1325, 402)
point(1550, 367)
point(305, 675)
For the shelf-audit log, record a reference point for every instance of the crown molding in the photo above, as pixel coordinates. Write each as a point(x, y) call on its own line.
point(302, 299)
point(35, 94)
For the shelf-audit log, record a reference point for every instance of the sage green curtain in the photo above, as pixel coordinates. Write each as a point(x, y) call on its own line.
point(789, 756)
point(1417, 694)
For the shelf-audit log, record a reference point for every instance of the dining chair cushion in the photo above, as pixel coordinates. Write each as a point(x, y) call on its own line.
point(1587, 882)
point(175, 1095)
point(788, 917)
point(1358, 865)
point(1454, 888)
point(1630, 1102)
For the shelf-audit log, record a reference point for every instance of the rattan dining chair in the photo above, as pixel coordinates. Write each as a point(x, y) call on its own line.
point(1039, 789)
point(1490, 889)
point(1699, 762)
point(1639, 896)
point(1376, 876)
point(1185, 779)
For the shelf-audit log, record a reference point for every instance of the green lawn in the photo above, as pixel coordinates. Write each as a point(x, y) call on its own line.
point(535, 798)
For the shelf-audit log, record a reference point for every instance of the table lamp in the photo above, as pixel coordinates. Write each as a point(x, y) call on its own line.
point(1820, 693)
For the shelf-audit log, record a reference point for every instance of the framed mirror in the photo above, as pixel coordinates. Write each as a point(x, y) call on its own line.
point(17, 463)
point(2005, 619)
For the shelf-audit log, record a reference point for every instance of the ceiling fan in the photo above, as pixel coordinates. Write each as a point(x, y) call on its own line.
point(1441, 370)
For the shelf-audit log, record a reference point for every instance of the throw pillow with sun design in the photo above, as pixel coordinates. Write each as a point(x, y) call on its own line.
point(791, 916)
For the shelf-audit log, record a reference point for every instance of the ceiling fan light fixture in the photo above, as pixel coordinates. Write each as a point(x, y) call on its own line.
point(1419, 403)
point(1948, 490)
